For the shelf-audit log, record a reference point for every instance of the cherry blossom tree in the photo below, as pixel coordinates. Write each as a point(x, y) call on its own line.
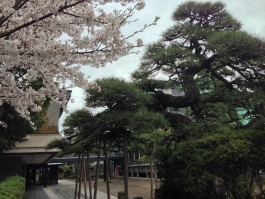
point(33, 51)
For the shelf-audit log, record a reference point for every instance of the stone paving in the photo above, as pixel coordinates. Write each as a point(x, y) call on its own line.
point(35, 193)
point(65, 190)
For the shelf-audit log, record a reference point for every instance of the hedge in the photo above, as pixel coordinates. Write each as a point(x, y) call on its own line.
point(12, 188)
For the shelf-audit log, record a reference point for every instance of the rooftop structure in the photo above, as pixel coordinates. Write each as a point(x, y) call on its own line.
point(31, 152)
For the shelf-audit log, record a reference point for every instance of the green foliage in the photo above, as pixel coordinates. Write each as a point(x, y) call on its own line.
point(77, 145)
point(67, 170)
point(235, 46)
point(144, 121)
point(124, 105)
point(57, 143)
point(84, 131)
point(12, 188)
point(194, 164)
point(78, 122)
point(39, 118)
point(117, 95)
point(124, 108)
point(16, 130)
point(208, 14)
point(18, 127)
point(144, 159)
point(216, 105)
point(150, 140)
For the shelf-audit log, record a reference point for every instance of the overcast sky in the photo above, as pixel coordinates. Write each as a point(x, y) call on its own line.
point(251, 13)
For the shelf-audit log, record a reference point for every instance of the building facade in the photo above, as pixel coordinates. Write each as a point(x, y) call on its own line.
point(29, 158)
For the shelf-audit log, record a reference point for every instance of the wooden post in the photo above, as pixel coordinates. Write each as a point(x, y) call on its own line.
point(154, 168)
point(76, 180)
point(107, 169)
point(125, 167)
point(81, 176)
point(151, 175)
point(84, 171)
point(97, 172)
point(89, 174)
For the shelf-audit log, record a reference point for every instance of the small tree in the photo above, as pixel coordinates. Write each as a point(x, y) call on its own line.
point(67, 170)
point(123, 119)
point(81, 126)
point(124, 114)
point(152, 141)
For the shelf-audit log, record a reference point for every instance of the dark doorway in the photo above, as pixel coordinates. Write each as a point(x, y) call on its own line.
point(36, 175)
point(52, 175)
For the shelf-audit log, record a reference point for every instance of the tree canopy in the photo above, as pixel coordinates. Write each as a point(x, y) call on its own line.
point(209, 62)
point(124, 108)
point(206, 76)
point(123, 112)
point(48, 41)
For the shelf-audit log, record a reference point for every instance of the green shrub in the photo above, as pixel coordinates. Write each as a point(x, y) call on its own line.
point(67, 170)
point(72, 176)
point(12, 188)
point(92, 176)
point(101, 176)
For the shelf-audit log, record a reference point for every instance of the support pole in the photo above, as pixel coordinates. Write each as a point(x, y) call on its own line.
point(125, 167)
point(84, 171)
point(77, 175)
point(107, 169)
point(89, 174)
point(81, 176)
point(97, 172)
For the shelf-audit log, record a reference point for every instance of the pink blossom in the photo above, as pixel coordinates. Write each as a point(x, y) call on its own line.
point(30, 40)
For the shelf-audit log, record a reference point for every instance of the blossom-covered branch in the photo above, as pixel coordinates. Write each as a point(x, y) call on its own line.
point(33, 49)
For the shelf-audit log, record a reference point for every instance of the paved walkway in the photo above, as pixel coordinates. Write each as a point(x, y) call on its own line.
point(65, 190)
point(35, 193)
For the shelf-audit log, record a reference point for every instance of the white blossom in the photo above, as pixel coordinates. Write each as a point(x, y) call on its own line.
point(140, 5)
point(3, 124)
point(30, 40)
point(139, 42)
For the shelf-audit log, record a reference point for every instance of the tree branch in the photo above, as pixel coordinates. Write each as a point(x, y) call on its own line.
point(61, 9)
point(17, 6)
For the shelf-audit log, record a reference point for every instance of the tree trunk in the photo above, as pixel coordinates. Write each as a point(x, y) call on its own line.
point(89, 174)
point(156, 178)
point(154, 168)
point(81, 177)
point(77, 175)
point(151, 175)
point(84, 171)
point(125, 167)
point(97, 172)
point(107, 169)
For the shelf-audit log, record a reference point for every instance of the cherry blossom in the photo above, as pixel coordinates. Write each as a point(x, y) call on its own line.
point(36, 62)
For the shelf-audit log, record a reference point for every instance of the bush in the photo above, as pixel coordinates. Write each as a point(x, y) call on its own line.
point(67, 170)
point(101, 176)
point(92, 176)
point(12, 188)
point(72, 176)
